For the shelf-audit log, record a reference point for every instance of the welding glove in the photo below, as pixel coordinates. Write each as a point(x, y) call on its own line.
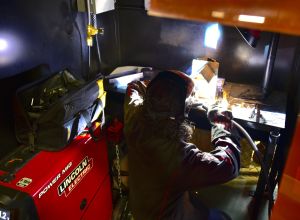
point(139, 86)
point(220, 116)
point(222, 126)
point(195, 112)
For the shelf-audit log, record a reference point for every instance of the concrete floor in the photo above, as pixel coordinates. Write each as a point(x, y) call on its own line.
point(234, 197)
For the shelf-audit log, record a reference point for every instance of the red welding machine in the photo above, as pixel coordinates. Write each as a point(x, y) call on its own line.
point(73, 183)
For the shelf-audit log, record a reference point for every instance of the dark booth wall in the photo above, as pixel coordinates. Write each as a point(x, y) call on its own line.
point(109, 43)
point(34, 33)
point(41, 32)
point(172, 44)
point(53, 33)
point(50, 35)
point(169, 43)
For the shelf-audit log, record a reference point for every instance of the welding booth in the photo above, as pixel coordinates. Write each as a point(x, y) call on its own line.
point(243, 55)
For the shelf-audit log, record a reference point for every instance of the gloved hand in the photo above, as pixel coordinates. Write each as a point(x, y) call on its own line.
point(220, 117)
point(195, 112)
point(221, 121)
point(139, 86)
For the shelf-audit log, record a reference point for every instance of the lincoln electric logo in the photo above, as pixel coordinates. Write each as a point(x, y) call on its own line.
point(74, 178)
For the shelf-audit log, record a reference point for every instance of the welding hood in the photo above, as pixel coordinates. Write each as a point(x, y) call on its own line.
point(166, 94)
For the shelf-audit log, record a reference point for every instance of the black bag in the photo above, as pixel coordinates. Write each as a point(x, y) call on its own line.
point(50, 113)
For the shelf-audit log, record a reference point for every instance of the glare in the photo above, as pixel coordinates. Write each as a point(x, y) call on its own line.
point(104, 5)
point(3, 45)
point(242, 53)
point(218, 14)
point(252, 19)
point(204, 90)
point(212, 35)
point(11, 48)
point(122, 82)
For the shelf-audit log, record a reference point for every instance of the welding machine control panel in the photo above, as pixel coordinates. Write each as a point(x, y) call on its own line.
point(4, 214)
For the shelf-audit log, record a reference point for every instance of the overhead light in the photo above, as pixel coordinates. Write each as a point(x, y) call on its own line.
point(252, 19)
point(3, 45)
point(218, 14)
point(11, 49)
point(212, 36)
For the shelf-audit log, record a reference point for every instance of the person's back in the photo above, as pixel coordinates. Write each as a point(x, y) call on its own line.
point(163, 166)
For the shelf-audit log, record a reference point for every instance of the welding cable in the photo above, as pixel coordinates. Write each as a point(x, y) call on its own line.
point(88, 5)
point(97, 41)
point(249, 139)
point(260, 159)
point(253, 146)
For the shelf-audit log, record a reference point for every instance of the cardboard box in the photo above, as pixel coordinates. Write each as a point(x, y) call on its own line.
point(205, 76)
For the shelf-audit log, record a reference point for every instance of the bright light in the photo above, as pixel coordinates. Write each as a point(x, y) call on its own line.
point(252, 19)
point(204, 90)
point(104, 5)
point(122, 82)
point(3, 45)
point(212, 35)
point(11, 48)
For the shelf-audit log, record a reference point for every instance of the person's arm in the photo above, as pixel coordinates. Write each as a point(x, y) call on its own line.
point(200, 169)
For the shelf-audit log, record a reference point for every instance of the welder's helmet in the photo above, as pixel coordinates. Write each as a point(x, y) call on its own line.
point(167, 92)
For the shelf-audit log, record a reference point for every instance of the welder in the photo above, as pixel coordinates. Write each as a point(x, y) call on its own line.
point(164, 167)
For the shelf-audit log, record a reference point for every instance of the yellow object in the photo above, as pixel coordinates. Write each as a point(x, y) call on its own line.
point(91, 31)
point(102, 97)
point(100, 87)
point(89, 41)
point(102, 93)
